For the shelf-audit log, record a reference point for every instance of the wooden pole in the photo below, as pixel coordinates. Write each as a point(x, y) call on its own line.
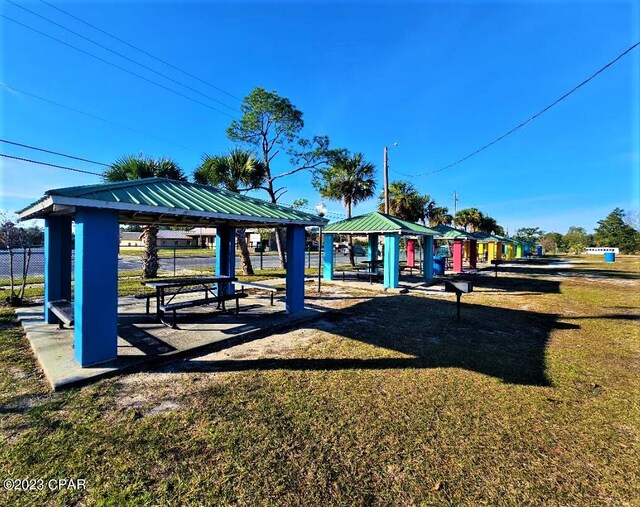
point(386, 182)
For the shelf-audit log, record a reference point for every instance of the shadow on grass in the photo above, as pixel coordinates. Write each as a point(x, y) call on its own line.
point(504, 343)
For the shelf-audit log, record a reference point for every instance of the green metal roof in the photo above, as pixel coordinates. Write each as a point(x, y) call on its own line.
point(377, 223)
point(485, 237)
point(180, 201)
point(446, 232)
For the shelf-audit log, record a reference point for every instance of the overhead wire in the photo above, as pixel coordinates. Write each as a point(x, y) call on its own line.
point(14, 143)
point(150, 55)
point(116, 65)
point(125, 57)
point(528, 120)
point(39, 162)
point(96, 117)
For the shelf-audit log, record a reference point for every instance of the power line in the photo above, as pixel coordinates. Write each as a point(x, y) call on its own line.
point(141, 51)
point(121, 55)
point(116, 65)
point(54, 152)
point(50, 165)
point(90, 115)
point(522, 124)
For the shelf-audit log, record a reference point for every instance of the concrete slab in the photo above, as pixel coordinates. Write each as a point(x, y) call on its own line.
point(142, 341)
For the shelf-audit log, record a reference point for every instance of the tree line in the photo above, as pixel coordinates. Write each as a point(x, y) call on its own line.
point(619, 229)
point(269, 135)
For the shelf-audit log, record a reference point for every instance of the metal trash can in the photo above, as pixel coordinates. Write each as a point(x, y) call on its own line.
point(609, 257)
point(439, 264)
point(539, 251)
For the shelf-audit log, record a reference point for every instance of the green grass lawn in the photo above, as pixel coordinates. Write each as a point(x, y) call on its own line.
point(531, 399)
point(167, 253)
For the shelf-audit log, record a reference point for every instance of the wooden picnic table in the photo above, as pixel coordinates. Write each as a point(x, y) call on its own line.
point(211, 285)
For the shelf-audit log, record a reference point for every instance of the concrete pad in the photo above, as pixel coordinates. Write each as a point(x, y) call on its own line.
point(141, 340)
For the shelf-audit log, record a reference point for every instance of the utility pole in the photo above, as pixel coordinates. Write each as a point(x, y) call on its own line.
point(455, 204)
point(386, 182)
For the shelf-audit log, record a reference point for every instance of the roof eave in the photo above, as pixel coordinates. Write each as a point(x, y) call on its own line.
point(42, 208)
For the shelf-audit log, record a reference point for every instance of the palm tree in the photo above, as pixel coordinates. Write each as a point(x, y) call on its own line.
point(350, 179)
point(238, 171)
point(468, 218)
point(437, 215)
point(405, 201)
point(132, 167)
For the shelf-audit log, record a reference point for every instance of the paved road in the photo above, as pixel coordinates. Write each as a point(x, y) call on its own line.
point(134, 263)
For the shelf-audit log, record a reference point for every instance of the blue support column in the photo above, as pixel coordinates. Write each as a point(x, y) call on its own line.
point(57, 262)
point(296, 238)
point(391, 260)
point(96, 286)
point(226, 253)
point(427, 258)
point(372, 247)
point(327, 264)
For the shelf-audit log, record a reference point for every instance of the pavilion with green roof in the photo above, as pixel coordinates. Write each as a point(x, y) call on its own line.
point(459, 238)
point(373, 225)
point(97, 211)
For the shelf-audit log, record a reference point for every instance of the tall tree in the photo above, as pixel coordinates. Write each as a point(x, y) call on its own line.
point(437, 215)
point(237, 171)
point(272, 125)
point(469, 219)
point(576, 239)
point(529, 235)
point(132, 167)
point(613, 231)
point(404, 201)
point(351, 180)
point(552, 242)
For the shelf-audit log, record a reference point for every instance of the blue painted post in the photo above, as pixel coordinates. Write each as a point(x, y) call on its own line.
point(327, 247)
point(96, 286)
point(372, 248)
point(57, 262)
point(427, 258)
point(295, 268)
point(391, 260)
point(226, 253)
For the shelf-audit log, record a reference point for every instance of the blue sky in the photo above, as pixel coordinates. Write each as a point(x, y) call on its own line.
point(439, 78)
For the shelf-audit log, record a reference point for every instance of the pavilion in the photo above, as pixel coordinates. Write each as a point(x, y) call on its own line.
point(463, 242)
point(97, 211)
point(373, 225)
point(492, 243)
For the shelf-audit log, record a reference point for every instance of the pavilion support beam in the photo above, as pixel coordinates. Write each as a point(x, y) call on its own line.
point(57, 262)
point(491, 249)
point(226, 254)
point(498, 250)
point(327, 262)
point(458, 249)
point(473, 253)
point(372, 247)
point(427, 258)
point(519, 251)
point(391, 260)
point(296, 239)
point(96, 286)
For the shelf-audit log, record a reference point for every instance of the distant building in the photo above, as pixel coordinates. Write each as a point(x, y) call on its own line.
point(131, 240)
point(169, 238)
point(166, 239)
point(203, 237)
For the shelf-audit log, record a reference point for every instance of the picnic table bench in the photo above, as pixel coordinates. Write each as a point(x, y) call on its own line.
point(259, 286)
point(179, 286)
point(148, 296)
point(63, 309)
